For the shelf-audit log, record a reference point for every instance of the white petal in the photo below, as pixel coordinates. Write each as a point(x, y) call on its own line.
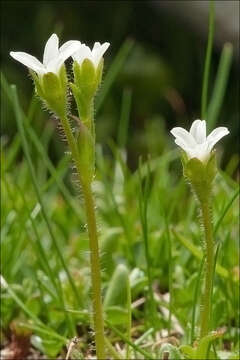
point(82, 53)
point(66, 45)
point(51, 49)
point(28, 60)
point(216, 135)
point(96, 46)
point(184, 136)
point(68, 49)
point(194, 128)
point(98, 52)
point(198, 131)
point(191, 152)
point(202, 151)
point(65, 51)
point(182, 144)
point(54, 65)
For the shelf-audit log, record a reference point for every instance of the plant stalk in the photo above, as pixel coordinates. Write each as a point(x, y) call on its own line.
point(94, 250)
point(205, 320)
point(95, 271)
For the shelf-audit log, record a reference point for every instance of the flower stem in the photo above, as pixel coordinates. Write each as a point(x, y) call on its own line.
point(94, 251)
point(95, 271)
point(205, 320)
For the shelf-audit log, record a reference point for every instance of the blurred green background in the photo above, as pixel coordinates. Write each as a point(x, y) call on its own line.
point(163, 70)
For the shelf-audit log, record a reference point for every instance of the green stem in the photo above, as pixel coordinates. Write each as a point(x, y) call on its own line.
point(196, 292)
point(95, 271)
point(209, 270)
point(70, 138)
point(94, 250)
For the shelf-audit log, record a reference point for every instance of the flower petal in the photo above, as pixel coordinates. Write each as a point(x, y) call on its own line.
point(82, 53)
point(68, 44)
point(28, 60)
point(51, 49)
point(191, 152)
point(65, 51)
point(182, 144)
point(184, 136)
point(198, 131)
point(216, 135)
point(96, 46)
point(98, 52)
point(202, 151)
point(54, 65)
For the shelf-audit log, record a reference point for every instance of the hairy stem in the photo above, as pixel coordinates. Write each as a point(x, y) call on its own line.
point(94, 250)
point(205, 319)
point(95, 271)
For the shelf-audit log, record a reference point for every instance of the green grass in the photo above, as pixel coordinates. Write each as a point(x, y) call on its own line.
point(40, 295)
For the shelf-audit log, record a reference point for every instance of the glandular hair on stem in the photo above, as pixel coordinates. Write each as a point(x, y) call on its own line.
point(61, 132)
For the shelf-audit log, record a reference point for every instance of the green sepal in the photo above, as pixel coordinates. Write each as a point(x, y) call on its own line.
point(200, 174)
point(99, 72)
point(86, 159)
point(37, 83)
point(82, 105)
point(86, 78)
point(52, 89)
point(63, 77)
point(212, 166)
point(77, 72)
point(86, 81)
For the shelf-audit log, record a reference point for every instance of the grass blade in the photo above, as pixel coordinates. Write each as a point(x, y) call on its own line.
point(198, 254)
point(129, 322)
point(38, 248)
point(113, 72)
point(6, 286)
point(39, 146)
point(112, 350)
point(21, 130)
point(144, 193)
point(36, 188)
point(124, 119)
point(146, 354)
point(208, 60)
point(227, 207)
point(170, 275)
point(42, 152)
point(220, 85)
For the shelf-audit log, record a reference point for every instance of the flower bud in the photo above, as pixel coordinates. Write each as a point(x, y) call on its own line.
point(52, 89)
point(87, 78)
point(200, 174)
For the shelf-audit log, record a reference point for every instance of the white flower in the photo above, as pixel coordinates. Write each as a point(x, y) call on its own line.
point(95, 55)
point(53, 57)
point(195, 142)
